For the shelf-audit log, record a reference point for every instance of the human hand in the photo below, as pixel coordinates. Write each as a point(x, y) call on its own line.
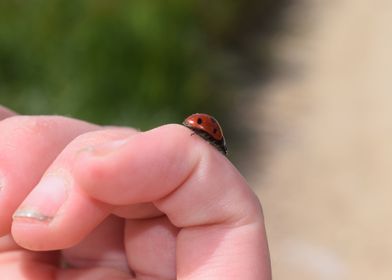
point(114, 203)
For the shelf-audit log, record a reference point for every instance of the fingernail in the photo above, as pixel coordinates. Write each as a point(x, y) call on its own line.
point(44, 201)
point(31, 214)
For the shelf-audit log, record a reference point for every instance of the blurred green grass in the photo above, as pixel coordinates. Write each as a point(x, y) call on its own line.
point(138, 63)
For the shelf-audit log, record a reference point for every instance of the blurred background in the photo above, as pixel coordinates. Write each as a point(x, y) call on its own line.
point(136, 63)
point(302, 89)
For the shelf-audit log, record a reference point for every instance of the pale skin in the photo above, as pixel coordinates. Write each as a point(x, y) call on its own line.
point(81, 201)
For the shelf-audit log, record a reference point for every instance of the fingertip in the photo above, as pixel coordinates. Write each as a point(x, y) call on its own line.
point(158, 160)
point(33, 229)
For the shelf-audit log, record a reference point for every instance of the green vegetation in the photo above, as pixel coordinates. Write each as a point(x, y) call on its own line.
point(140, 63)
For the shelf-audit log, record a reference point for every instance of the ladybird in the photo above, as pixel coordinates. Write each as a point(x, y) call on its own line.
point(208, 128)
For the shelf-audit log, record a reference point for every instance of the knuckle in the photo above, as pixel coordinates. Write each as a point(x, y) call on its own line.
point(92, 173)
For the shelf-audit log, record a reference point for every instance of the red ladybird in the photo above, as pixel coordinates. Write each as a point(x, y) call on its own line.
point(208, 128)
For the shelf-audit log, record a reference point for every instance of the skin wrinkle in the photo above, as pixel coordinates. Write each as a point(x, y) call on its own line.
point(199, 174)
point(249, 216)
point(156, 232)
point(222, 227)
point(218, 234)
point(186, 179)
point(231, 218)
point(217, 237)
point(175, 168)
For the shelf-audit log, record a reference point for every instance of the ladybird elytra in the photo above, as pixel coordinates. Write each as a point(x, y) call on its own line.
point(208, 128)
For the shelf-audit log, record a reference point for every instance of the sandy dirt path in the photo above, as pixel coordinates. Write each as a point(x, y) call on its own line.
point(326, 181)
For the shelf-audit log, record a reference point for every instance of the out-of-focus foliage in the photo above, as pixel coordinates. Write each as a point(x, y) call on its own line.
point(140, 63)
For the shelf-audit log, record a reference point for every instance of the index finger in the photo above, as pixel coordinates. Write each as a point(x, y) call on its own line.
point(222, 232)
